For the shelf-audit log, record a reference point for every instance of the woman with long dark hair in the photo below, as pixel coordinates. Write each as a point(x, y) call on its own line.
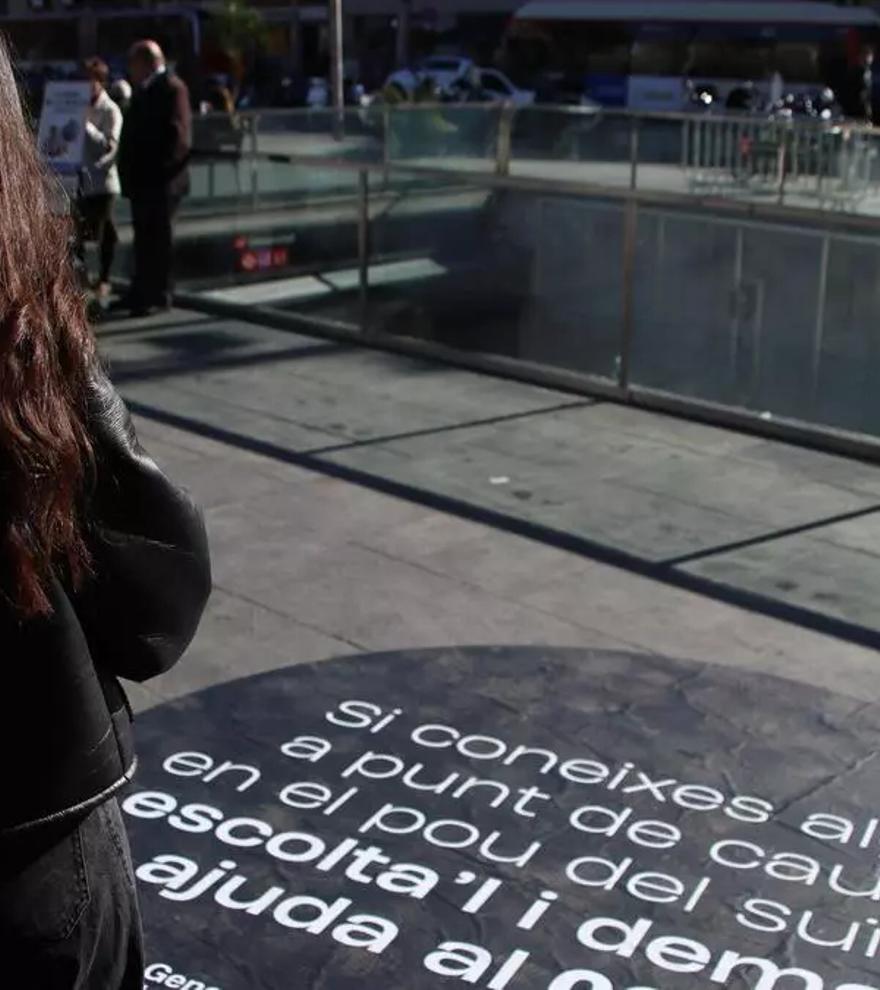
point(104, 573)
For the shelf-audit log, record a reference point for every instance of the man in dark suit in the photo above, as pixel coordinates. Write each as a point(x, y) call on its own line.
point(153, 157)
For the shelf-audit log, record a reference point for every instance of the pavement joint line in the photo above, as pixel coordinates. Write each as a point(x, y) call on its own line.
point(431, 431)
point(265, 414)
point(206, 365)
point(105, 330)
point(498, 596)
point(391, 437)
point(827, 440)
point(778, 534)
point(845, 630)
point(281, 614)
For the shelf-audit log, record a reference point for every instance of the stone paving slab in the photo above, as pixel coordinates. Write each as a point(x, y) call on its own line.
point(320, 568)
point(807, 465)
point(655, 487)
point(570, 471)
point(309, 394)
point(835, 569)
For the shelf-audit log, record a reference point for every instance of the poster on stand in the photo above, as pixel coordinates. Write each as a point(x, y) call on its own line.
point(61, 134)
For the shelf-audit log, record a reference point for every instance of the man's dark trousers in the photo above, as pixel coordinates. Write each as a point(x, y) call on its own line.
point(152, 214)
point(154, 152)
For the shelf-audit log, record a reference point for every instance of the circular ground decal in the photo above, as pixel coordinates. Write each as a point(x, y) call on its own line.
point(509, 819)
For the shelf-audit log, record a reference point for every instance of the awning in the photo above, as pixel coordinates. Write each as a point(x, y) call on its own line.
point(781, 12)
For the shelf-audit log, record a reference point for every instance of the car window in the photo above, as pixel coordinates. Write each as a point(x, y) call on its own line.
point(494, 83)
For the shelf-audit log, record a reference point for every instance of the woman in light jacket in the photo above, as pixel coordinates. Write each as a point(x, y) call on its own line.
point(100, 180)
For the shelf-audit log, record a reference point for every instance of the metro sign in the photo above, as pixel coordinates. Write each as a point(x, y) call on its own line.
point(263, 258)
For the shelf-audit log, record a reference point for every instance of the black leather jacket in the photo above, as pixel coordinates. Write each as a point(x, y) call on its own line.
point(65, 725)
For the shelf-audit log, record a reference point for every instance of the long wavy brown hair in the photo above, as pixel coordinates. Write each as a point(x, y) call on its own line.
point(46, 351)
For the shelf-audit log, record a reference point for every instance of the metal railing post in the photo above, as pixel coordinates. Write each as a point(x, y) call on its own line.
point(698, 151)
point(736, 307)
point(255, 181)
point(782, 163)
point(635, 128)
point(821, 298)
point(630, 239)
point(386, 139)
point(337, 67)
point(685, 147)
point(504, 147)
point(363, 246)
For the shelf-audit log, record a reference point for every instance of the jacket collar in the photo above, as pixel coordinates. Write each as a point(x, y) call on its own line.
point(150, 80)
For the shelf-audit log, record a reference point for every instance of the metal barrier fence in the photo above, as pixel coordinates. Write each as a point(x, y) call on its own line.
point(802, 164)
point(736, 316)
point(831, 163)
point(561, 248)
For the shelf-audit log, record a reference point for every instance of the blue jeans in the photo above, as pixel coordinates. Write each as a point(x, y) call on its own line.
point(69, 918)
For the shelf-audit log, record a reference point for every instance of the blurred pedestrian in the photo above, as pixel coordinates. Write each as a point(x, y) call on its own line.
point(866, 89)
point(153, 166)
point(100, 180)
point(857, 95)
point(120, 93)
point(218, 97)
point(776, 88)
point(103, 574)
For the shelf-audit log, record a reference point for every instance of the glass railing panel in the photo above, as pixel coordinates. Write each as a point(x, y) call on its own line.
point(356, 134)
point(683, 276)
point(846, 345)
point(755, 313)
point(457, 137)
point(501, 272)
point(776, 319)
point(575, 145)
point(271, 251)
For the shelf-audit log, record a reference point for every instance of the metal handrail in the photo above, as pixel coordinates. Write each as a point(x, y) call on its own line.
point(572, 110)
point(738, 210)
point(836, 157)
point(816, 224)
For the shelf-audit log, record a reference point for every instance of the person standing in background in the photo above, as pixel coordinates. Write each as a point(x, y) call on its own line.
point(857, 93)
point(120, 93)
point(153, 167)
point(100, 180)
point(866, 90)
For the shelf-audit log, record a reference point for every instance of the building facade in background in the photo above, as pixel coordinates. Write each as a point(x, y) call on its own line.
point(603, 43)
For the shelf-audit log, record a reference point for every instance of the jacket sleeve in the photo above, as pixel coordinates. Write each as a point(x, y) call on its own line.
point(180, 136)
point(151, 574)
point(110, 137)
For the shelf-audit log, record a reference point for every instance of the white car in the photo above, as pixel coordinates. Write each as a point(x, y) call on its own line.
point(500, 88)
point(448, 71)
point(445, 70)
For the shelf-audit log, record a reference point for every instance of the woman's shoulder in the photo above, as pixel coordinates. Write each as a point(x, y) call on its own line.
point(107, 107)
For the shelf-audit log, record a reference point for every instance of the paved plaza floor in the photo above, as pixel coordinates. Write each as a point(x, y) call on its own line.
point(479, 651)
point(360, 501)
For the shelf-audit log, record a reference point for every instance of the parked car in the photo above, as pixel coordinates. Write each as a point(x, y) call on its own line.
point(499, 87)
point(461, 78)
point(445, 70)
